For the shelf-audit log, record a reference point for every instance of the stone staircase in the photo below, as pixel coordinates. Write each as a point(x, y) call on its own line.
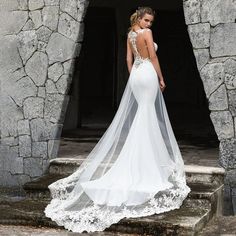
point(202, 204)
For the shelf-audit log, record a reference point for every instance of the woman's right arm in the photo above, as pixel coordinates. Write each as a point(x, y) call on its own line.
point(129, 56)
point(152, 53)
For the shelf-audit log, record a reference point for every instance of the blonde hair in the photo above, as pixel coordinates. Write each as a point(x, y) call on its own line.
point(139, 13)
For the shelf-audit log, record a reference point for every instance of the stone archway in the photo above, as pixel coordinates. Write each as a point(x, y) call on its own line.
point(212, 30)
point(42, 40)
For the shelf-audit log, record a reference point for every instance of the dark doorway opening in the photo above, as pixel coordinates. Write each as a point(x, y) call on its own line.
point(98, 69)
point(95, 75)
point(184, 95)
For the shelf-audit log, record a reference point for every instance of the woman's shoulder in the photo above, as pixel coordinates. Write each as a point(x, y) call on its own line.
point(146, 30)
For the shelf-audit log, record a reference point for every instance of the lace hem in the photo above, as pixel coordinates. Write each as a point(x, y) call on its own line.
point(99, 217)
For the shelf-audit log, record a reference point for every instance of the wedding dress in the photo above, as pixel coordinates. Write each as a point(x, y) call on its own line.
point(136, 169)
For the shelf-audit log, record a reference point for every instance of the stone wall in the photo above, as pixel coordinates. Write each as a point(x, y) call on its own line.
point(40, 40)
point(212, 30)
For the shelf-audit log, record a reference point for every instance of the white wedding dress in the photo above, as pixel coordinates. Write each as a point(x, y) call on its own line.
point(136, 169)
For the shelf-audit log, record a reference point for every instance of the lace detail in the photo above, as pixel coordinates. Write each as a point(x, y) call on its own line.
point(138, 59)
point(99, 217)
point(139, 142)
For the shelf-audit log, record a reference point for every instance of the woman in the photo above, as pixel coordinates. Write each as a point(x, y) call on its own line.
point(136, 169)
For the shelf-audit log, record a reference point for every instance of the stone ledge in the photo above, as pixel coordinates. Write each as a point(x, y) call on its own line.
point(204, 169)
point(186, 220)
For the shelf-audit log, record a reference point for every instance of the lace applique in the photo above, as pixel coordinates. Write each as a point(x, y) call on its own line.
point(138, 59)
point(97, 218)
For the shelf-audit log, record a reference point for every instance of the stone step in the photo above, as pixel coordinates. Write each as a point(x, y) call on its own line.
point(39, 188)
point(194, 173)
point(188, 220)
point(205, 175)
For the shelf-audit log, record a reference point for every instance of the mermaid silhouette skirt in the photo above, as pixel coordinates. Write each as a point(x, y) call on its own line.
point(138, 172)
point(135, 170)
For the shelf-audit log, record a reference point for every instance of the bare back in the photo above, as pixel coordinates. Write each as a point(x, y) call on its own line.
point(138, 43)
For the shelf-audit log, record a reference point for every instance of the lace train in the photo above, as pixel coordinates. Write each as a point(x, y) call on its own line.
point(99, 217)
point(137, 155)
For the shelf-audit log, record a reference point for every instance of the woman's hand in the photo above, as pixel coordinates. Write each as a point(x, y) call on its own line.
point(162, 85)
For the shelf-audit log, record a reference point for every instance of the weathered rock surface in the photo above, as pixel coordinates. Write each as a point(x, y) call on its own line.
point(200, 35)
point(212, 76)
point(223, 40)
point(223, 123)
point(36, 68)
point(27, 44)
point(218, 99)
point(217, 11)
point(60, 48)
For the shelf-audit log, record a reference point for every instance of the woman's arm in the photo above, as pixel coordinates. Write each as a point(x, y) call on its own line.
point(129, 56)
point(152, 53)
point(153, 57)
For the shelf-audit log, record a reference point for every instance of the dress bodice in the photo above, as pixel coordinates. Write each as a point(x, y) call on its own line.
point(132, 36)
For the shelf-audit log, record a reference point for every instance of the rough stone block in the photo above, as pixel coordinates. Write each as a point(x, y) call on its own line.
point(202, 57)
point(42, 92)
point(22, 4)
point(212, 76)
point(11, 62)
point(218, 11)
point(55, 105)
point(69, 67)
point(60, 48)
point(82, 9)
point(51, 2)
point(15, 163)
point(33, 107)
point(25, 146)
point(33, 166)
point(50, 17)
point(199, 35)
point(223, 40)
point(230, 73)
point(10, 114)
point(36, 18)
point(23, 127)
point(10, 141)
point(218, 99)
point(70, 7)
point(36, 4)
point(228, 158)
point(68, 26)
point(36, 68)
point(29, 25)
point(27, 44)
point(23, 88)
point(192, 11)
point(223, 123)
point(42, 130)
point(39, 149)
point(15, 21)
point(42, 46)
point(63, 84)
point(55, 71)
point(232, 101)
point(43, 34)
point(50, 87)
point(7, 179)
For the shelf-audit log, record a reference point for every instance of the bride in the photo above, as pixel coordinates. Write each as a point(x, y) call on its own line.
point(136, 169)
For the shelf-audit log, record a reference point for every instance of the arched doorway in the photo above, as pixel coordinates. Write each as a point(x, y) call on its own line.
point(185, 97)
